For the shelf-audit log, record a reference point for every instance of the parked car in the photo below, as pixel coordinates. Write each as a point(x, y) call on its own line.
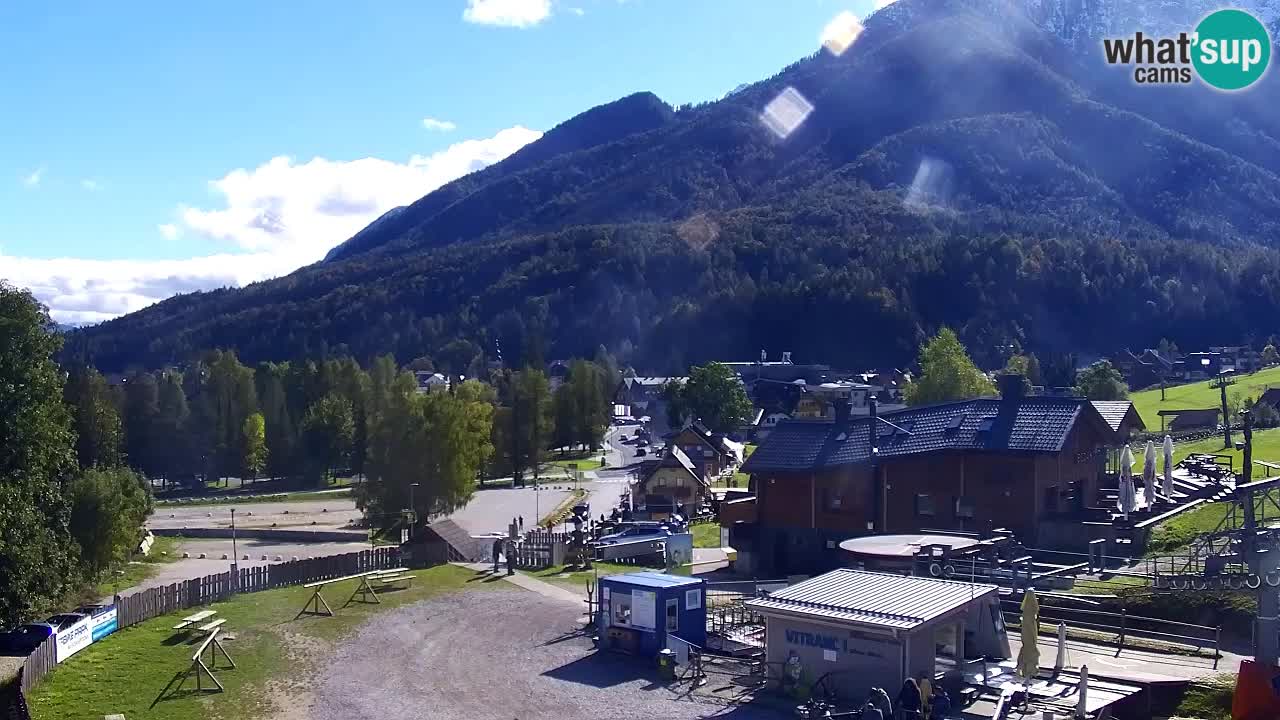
point(24, 639)
point(641, 452)
point(62, 621)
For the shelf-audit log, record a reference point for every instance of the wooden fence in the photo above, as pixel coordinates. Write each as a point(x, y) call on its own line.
point(157, 601)
point(539, 550)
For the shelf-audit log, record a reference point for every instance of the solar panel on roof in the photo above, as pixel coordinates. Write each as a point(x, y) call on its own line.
point(955, 423)
point(984, 425)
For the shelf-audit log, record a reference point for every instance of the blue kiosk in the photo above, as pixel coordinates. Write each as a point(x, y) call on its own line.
point(639, 610)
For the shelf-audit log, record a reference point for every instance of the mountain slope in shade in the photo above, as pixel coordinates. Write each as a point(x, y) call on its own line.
point(961, 166)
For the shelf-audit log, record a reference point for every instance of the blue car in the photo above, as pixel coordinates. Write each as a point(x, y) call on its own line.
point(24, 639)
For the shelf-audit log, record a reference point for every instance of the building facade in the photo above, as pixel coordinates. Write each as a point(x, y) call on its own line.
point(1011, 463)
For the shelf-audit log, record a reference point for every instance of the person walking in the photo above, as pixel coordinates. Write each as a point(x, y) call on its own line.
point(497, 554)
point(909, 700)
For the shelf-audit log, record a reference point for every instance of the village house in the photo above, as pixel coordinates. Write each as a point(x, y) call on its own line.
point(674, 481)
point(642, 397)
point(1030, 465)
point(710, 453)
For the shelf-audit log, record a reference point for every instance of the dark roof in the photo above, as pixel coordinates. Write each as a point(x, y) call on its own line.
point(1033, 424)
point(1207, 417)
point(1115, 412)
point(1271, 397)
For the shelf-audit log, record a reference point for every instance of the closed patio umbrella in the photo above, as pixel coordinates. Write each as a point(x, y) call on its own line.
point(1125, 498)
point(1149, 474)
point(1168, 467)
point(1029, 655)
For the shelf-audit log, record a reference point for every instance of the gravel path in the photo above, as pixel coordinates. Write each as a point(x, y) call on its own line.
point(497, 654)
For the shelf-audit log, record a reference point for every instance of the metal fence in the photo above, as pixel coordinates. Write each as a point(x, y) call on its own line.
point(157, 601)
point(1124, 626)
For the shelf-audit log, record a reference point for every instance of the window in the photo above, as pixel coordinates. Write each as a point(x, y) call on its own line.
point(964, 507)
point(673, 615)
point(692, 599)
point(620, 606)
point(924, 504)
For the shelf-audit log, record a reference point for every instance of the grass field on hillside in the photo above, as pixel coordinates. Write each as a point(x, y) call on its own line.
point(1266, 446)
point(1199, 395)
point(126, 672)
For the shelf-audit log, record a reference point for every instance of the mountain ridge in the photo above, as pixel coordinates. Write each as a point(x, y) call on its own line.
point(671, 235)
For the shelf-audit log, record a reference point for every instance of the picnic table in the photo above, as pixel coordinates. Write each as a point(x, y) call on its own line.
point(364, 589)
point(193, 622)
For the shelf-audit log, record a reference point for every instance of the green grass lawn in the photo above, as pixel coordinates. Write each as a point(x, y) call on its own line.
point(739, 479)
point(1182, 529)
point(1199, 395)
point(706, 535)
point(126, 672)
point(1266, 446)
point(591, 462)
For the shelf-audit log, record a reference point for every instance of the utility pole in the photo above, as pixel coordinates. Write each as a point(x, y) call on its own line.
point(1221, 383)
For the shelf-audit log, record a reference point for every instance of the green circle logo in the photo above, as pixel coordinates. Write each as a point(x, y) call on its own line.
point(1232, 49)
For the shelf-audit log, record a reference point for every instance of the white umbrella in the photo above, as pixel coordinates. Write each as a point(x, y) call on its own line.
point(1061, 660)
point(1124, 502)
point(1149, 474)
point(1168, 467)
point(1084, 690)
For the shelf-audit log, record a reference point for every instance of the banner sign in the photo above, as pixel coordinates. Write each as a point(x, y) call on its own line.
point(103, 622)
point(74, 639)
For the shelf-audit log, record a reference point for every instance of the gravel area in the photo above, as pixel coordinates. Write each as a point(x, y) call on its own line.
point(491, 654)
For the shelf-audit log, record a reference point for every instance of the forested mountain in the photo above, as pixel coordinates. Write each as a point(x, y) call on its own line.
point(974, 164)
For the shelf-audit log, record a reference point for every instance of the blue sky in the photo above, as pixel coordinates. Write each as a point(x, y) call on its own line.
point(151, 148)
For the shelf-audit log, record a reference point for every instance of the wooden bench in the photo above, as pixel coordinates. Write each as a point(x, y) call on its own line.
point(211, 626)
point(395, 579)
point(190, 621)
point(364, 589)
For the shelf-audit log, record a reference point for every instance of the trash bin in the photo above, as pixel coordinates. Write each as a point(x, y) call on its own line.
point(667, 664)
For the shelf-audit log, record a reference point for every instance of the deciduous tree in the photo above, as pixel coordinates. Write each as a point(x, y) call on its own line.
point(946, 373)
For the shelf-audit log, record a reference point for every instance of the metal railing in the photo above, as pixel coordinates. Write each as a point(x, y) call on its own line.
point(1125, 626)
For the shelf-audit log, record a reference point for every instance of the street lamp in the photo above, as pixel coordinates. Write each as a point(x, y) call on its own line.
point(234, 554)
point(413, 510)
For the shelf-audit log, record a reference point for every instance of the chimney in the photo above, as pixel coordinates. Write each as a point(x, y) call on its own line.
point(843, 409)
point(1011, 385)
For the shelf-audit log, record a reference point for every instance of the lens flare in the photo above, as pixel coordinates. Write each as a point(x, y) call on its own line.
point(786, 112)
point(840, 34)
point(698, 232)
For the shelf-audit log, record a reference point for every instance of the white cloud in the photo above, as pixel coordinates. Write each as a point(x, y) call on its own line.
point(277, 217)
point(507, 13)
point(431, 123)
point(317, 204)
point(33, 180)
point(90, 185)
point(169, 231)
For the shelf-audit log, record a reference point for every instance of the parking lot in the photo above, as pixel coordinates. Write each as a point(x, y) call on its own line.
point(489, 653)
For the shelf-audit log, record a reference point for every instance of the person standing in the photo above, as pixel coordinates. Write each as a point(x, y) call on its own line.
point(940, 704)
point(909, 700)
point(871, 712)
point(926, 694)
point(521, 520)
point(881, 700)
point(497, 554)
